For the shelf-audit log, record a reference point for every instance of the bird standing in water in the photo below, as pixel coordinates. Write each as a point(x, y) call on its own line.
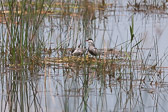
point(78, 51)
point(92, 49)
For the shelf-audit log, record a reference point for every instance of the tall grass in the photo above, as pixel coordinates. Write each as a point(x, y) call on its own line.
point(22, 21)
point(79, 85)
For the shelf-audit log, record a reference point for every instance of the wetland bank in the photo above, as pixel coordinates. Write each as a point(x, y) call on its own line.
point(40, 74)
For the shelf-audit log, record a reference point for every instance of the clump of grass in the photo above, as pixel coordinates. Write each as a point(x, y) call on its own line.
point(147, 6)
point(22, 22)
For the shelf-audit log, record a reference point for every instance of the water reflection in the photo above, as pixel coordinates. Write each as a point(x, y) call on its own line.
point(82, 88)
point(56, 81)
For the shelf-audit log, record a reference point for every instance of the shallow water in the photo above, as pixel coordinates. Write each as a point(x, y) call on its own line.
point(122, 85)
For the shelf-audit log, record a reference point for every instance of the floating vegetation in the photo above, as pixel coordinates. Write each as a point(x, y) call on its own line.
point(39, 71)
point(148, 6)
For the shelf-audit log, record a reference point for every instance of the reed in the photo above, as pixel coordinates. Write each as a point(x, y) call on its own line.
point(22, 21)
point(109, 82)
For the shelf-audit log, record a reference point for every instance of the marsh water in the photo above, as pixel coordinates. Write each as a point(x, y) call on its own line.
point(56, 81)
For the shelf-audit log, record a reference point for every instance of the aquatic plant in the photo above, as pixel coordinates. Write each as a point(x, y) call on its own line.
point(22, 20)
